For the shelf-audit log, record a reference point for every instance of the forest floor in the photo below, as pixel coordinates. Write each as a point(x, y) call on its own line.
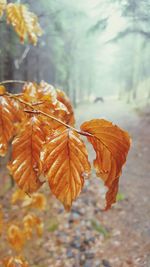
point(89, 237)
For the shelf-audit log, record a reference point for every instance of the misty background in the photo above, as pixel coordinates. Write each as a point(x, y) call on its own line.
point(89, 48)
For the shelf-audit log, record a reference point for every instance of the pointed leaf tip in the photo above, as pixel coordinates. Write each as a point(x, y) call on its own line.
point(65, 161)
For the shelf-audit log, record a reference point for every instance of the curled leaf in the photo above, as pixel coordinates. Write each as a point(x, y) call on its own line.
point(65, 165)
point(62, 97)
point(111, 145)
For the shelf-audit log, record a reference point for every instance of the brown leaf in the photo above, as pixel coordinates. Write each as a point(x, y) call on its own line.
point(111, 145)
point(6, 124)
point(26, 166)
point(65, 165)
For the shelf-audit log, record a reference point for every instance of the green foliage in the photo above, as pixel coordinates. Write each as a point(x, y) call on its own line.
point(120, 197)
point(100, 228)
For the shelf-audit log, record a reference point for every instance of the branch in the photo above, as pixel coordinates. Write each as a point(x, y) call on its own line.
point(12, 81)
point(130, 31)
point(40, 112)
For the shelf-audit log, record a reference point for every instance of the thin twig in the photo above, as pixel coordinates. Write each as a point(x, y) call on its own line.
point(40, 112)
point(12, 81)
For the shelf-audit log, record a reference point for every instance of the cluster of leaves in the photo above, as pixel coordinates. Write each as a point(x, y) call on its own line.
point(19, 230)
point(46, 146)
point(25, 23)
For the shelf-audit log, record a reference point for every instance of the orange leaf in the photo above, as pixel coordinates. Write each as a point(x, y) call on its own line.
point(47, 93)
point(26, 166)
point(18, 113)
point(6, 124)
point(1, 220)
point(14, 262)
point(16, 237)
point(18, 195)
point(2, 88)
point(111, 145)
point(31, 223)
point(62, 97)
point(65, 165)
point(37, 201)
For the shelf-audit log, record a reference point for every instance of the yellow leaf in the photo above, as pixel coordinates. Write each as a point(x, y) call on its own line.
point(17, 196)
point(37, 201)
point(26, 166)
point(65, 165)
point(28, 222)
point(111, 145)
point(25, 22)
point(31, 223)
point(2, 7)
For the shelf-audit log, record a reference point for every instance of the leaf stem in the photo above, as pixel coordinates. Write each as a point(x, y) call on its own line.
point(37, 111)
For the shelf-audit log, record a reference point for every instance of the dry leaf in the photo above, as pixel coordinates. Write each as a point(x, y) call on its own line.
point(25, 22)
point(2, 7)
point(65, 165)
point(14, 262)
point(6, 124)
point(111, 145)
point(1, 220)
point(31, 223)
point(18, 195)
point(37, 201)
point(26, 166)
point(16, 237)
point(2, 90)
point(62, 97)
